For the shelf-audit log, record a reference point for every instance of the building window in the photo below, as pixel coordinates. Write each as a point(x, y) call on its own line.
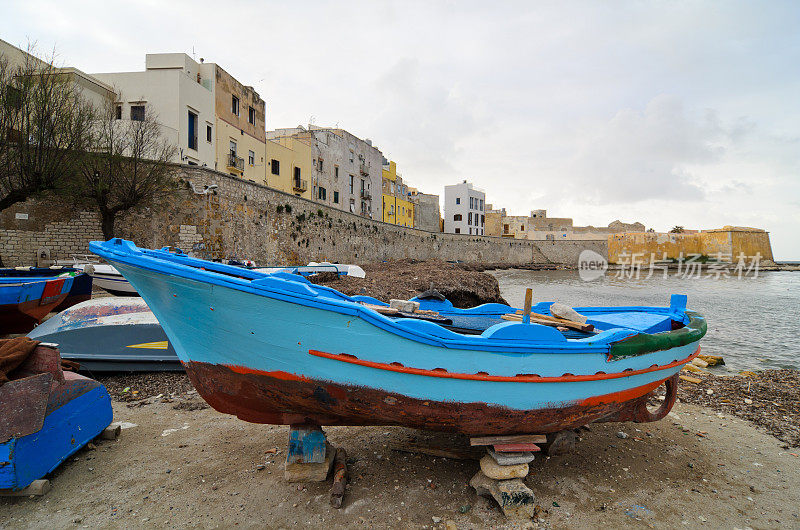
point(319, 165)
point(118, 112)
point(276, 166)
point(470, 231)
point(251, 158)
point(481, 208)
point(137, 112)
point(457, 217)
point(336, 197)
point(235, 105)
point(192, 130)
point(233, 148)
point(208, 133)
point(458, 230)
point(362, 184)
point(336, 172)
point(469, 218)
point(251, 116)
point(522, 228)
point(297, 173)
point(322, 195)
point(352, 179)
point(471, 205)
point(483, 219)
point(458, 200)
point(505, 229)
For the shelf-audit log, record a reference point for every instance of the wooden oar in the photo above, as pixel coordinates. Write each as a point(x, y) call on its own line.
point(549, 321)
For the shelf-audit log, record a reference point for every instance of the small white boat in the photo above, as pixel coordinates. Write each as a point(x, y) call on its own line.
point(108, 278)
point(313, 267)
point(103, 275)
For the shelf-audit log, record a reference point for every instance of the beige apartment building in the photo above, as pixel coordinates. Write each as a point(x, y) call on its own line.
point(240, 120)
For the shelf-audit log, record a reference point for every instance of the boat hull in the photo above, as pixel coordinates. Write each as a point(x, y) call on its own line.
point(24, 304)
point(282, 398)
point(110, 334)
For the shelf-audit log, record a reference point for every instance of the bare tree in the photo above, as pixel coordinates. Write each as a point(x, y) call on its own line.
point(44, 127)
point(127, 166)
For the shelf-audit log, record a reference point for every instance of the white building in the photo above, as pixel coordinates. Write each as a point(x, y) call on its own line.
point(464, 209)
point(173, 87)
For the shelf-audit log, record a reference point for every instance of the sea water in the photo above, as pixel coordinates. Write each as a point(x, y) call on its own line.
point(753, 322)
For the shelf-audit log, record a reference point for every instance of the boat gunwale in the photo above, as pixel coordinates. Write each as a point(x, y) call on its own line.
point(519, 378)
point(166, 263)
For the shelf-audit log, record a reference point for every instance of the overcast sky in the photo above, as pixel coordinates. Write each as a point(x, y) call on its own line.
point(666, 113)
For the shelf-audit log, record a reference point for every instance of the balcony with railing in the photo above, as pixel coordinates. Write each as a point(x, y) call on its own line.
point(299, 184)
point(235, 162)
point(365, 194)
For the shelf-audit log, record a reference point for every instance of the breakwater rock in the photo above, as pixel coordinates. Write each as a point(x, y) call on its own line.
point(404, 279)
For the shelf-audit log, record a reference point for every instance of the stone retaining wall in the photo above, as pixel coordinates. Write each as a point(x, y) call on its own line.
point(246, 220)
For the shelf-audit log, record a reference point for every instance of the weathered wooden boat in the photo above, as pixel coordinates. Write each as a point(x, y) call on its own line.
point(24, 302)
point(114, 333)
point(80, 291)
point(46, 414)
point(277, 349)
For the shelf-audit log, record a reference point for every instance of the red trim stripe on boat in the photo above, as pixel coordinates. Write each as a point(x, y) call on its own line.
point(521, 378)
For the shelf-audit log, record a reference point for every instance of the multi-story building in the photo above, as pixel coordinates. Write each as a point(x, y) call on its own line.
point(172, 86)
point(93, 90)
point(464, 209)
point(344, 172)
point(240, 127)
point(426, 211)
point(212, 119)
point(288, 161)
point(396, 203)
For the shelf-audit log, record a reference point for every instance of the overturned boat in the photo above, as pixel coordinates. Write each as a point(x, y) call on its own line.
point(110, 334)
point(46, 413)
point(277, 349)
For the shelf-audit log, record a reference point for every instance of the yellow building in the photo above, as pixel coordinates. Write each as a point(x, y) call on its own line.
point(397, 207)
point(289, 165)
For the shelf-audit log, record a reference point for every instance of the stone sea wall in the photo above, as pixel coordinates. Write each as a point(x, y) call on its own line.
point(246, 220)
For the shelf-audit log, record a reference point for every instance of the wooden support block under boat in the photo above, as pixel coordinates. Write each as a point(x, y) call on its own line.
point(509, 439)
point(516, 448)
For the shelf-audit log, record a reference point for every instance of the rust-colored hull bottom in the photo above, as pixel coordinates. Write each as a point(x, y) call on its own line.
point(22, 317)
point(280, 398)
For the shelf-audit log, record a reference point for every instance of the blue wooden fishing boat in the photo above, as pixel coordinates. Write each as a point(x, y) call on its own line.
point(113, 333)
point(80, 291)
point(25, 301)
point(46, 414)
point(277, 349)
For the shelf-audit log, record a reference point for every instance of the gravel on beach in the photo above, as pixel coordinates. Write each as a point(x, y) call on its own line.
point(768, 398)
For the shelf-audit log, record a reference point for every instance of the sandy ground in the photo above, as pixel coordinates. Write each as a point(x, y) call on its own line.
point(199, 468)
